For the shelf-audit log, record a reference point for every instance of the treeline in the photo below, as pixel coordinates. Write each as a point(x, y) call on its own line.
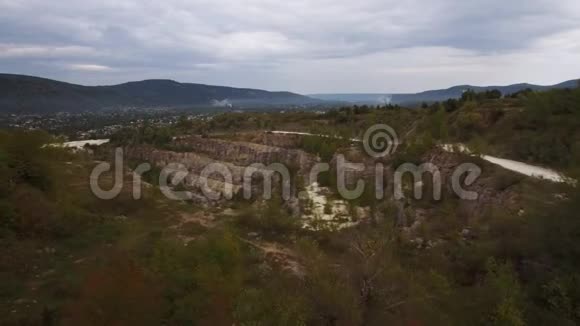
point(29, 173)
point(537, 127)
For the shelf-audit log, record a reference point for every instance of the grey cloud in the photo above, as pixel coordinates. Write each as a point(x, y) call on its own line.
point(255, 42)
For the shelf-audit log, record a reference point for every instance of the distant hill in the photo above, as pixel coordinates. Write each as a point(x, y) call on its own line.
point(433, 95)
point(27, 94)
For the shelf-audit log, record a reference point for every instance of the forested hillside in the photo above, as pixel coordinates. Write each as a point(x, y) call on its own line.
point(26, 94)
point(455, 92)
point(71, 258)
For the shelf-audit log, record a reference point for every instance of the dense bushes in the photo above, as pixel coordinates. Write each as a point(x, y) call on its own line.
point(536, 127)
point(324, 147)
point(272, 219)
point(549, 128)
point(29, 173)
point(145, 134)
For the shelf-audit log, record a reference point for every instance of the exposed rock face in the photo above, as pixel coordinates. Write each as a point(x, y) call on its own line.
point(193, 162)
point(200, 154)
point(196, 153)
point(488, 195)
point(357, 156)
point(244, 153)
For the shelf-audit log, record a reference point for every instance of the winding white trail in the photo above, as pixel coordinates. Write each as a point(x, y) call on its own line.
point(282, 132)
point(526, 169)
point(79, 144)
point(516, 166)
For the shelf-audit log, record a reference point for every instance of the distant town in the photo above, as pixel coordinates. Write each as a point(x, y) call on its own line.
point(102, 124)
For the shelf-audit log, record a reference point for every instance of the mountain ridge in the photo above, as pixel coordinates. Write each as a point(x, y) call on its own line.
point(433, 95)
point(30, 94)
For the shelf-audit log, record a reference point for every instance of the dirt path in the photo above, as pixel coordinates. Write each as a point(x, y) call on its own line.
point(519, 167)
point(274, 253)
point(281, 256)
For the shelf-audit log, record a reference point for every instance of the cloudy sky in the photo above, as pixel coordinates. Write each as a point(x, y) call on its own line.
point(307, 46)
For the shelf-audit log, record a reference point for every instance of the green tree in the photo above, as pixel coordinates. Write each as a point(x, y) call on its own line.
point(503, 281)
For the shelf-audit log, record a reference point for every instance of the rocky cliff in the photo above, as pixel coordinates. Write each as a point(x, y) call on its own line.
point(246, 153)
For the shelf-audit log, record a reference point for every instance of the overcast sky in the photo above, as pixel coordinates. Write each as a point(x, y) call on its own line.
point(303, 46)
